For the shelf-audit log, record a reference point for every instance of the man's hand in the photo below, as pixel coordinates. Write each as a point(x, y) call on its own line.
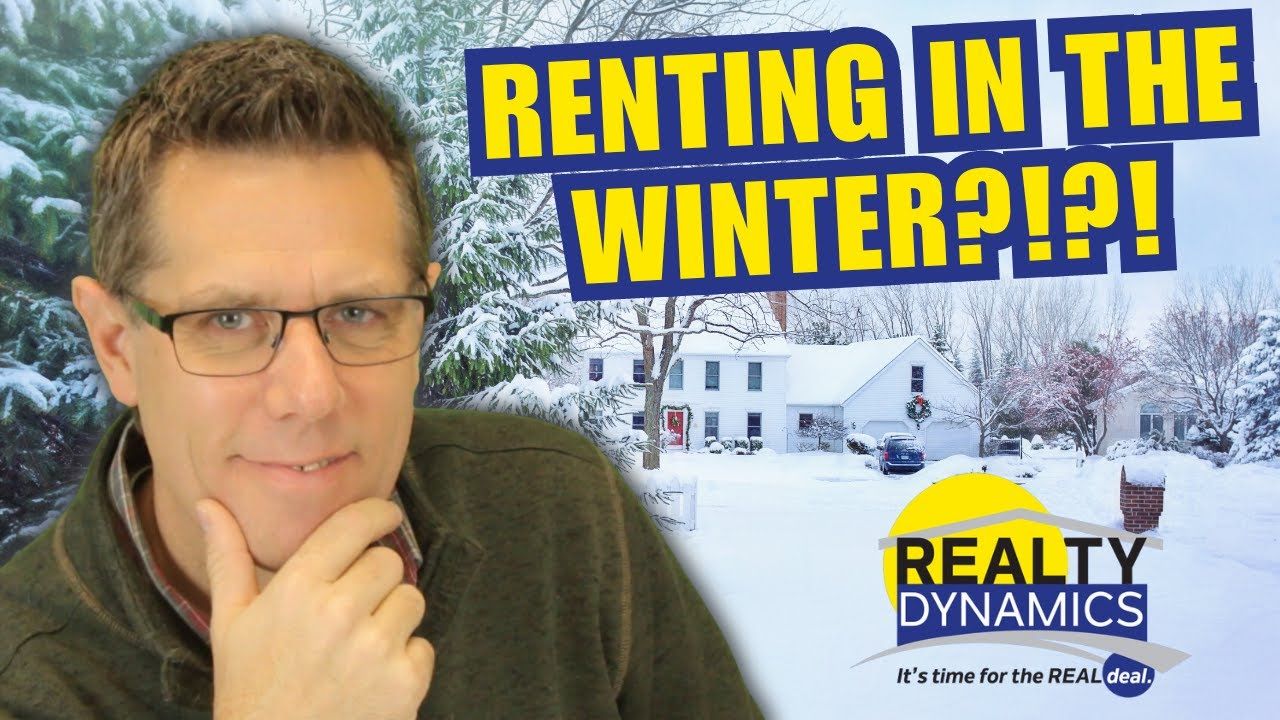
point(330, 637)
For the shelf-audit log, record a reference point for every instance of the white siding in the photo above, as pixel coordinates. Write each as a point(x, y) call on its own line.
point(884, 398)
point(733, 401)
point(793, 424)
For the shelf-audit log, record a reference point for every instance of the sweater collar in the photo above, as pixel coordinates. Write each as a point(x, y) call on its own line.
point(97, 556)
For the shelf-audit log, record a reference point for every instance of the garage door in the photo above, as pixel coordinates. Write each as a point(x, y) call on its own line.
point(943, 439)
point(876, 428)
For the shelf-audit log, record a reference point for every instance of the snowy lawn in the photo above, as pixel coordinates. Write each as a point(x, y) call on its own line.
point(785, 554)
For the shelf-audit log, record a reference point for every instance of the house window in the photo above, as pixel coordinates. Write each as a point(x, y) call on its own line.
point(713, 375)
point(753, 425)
point(1150, 420)
point(711, 421)
point(806, 421)
point(755, 375)
point(637, 421)
point(595, 369)
point(675, 377)
point(917, 378)
point(1181, 423)
point(637, 371)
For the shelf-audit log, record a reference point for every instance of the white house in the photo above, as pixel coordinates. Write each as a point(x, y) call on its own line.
point(771, 389)
point(1140, 409)
point(718, 388)
point(870, 383)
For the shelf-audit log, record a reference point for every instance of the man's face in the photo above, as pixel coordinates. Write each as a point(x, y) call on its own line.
point(287, 231)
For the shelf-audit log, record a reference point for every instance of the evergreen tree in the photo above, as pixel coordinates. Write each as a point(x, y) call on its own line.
point(975, 370)
point(504, 314)
point(1259, 393)
point(939, 341)
point(64, 67)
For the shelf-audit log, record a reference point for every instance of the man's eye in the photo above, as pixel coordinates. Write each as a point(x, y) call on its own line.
point(356, 315)
point(231, 320)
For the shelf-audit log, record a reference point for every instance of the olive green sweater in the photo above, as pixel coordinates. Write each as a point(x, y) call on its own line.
point(550, 594)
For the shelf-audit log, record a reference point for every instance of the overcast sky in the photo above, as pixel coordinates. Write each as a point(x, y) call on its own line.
point(1226, 192)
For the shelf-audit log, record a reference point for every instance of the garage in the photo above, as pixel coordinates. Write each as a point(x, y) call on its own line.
point(876, 428)
point(945, 439)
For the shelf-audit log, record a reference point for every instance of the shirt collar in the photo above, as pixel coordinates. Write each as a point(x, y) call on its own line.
point(130, 463)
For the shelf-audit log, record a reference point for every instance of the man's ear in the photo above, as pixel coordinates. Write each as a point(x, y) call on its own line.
point(433, 274)
point(110, 332)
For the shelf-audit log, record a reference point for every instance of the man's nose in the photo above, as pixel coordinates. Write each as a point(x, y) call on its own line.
point(303, 376)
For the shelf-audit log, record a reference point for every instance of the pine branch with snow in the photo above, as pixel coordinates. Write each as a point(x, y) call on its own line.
point(1259, 394)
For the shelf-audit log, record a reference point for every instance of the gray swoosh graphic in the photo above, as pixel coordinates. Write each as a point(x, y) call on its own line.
point(1161, 657)
point(1067, 523)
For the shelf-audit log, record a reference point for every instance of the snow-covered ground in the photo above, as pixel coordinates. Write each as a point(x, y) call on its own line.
point(785, 554)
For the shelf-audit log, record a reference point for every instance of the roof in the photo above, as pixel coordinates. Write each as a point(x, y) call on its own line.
point(700, 343)
point(829, 374)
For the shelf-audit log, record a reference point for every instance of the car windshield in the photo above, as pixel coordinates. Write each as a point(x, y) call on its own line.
point(903, 445)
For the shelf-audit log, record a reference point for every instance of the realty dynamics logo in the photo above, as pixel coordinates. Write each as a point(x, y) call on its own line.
point(975, 558)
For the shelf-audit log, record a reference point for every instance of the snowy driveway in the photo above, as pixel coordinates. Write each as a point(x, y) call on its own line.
point(785, 554)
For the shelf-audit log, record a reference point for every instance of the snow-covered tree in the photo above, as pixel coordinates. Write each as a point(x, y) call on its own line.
point(938, 339)
point(826, 430)
point(994, 400)
point(64, 67)
point(1077, 387)
point(504, 310)
point(1196, 342)
point(1259, 394)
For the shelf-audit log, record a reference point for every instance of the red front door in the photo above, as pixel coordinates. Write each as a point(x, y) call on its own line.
point(675, 426)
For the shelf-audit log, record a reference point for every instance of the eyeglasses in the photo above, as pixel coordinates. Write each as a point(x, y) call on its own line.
point(228, 342)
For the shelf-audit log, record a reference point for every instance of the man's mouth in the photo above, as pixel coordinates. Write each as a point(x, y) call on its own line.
point(309, 466)
point(313, 466)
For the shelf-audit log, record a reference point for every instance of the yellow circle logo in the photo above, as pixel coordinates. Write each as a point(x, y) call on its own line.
point(979, 552)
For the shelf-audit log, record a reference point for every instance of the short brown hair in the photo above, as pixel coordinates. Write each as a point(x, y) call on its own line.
point(268, 91)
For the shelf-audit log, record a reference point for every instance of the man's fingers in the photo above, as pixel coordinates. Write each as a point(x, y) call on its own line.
point(423, 657)
point(401, 612)
point(339, 540)
point(370, 578)
point(232, 582)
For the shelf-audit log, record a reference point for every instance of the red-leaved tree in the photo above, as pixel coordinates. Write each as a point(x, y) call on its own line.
point(1076, 387)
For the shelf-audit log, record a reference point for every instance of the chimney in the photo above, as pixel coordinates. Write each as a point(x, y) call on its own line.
point(778, 302)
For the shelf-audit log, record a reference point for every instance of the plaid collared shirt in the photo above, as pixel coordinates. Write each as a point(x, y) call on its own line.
point(122, 481)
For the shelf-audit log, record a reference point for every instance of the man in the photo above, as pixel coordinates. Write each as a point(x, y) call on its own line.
point(272, 530)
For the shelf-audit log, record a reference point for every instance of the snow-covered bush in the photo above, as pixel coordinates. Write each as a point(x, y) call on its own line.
point(741, 442)
point(1037, 443)
point(1156, 441)
point(741, 451)
point(706, 442)
point(1062, 441)
point(756, 444)
point(860, 443)
point(715, 448)
point(1219, 459)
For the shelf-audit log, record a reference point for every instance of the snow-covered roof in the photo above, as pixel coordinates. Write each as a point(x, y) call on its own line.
point(829, 374)
point(702, 343)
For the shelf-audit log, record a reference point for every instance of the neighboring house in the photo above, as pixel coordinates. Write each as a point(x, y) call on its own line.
point(771, 388)
point(730, 392)
point(870, 383)
point(1140, 410)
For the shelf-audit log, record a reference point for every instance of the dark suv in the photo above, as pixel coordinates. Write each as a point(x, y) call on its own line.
point(901, 455)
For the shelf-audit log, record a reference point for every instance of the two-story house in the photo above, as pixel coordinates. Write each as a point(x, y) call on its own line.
point(716, 387)
point(772, 389)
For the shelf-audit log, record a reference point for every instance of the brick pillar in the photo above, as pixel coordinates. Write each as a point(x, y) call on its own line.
point(1141, 503)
